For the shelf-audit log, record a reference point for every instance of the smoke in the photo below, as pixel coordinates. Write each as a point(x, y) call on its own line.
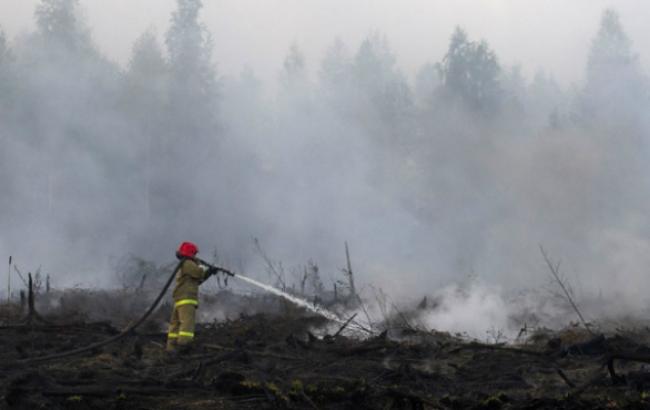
point(467, 169)
point(477, 311)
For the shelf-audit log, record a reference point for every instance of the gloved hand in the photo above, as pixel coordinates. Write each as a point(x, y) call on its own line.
point(212, 271)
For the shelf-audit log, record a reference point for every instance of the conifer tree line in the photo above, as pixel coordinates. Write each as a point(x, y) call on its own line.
point(134, 157)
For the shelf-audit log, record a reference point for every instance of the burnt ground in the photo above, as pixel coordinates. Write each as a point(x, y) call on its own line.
point(274, 360)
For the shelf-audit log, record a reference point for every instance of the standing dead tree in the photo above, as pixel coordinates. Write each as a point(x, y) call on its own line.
point(303, 281)
point(555, 272)
point(315, 280)
point(38, 281)
point(32, 314)
point(350, 275)
point(140, 287)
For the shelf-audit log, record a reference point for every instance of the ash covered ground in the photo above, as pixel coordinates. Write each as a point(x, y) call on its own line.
point(266, 353)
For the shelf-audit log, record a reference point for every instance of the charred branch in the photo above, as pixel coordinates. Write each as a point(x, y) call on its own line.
point(554, 268)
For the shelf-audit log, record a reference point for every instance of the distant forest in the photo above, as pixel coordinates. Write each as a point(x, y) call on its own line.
point(470, 160)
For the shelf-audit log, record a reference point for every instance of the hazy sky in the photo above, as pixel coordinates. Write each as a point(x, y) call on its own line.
point(551, 34)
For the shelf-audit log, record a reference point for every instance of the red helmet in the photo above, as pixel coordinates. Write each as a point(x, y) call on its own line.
point(187, 250)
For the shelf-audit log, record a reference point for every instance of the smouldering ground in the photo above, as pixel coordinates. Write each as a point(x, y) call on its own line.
point(275, 361)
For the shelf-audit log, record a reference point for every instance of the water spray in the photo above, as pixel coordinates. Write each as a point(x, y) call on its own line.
point(319, 310)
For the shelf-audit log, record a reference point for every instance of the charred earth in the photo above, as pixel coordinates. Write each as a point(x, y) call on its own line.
point(286, 358)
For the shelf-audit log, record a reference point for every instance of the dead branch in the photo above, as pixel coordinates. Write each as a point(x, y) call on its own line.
point(555, 272)
point(565, 378)
point(308, 400)
point(20, 275)
point(403, 317)
point(382, 301)
point(347, 322)
point(365, 310)
point(271, 267)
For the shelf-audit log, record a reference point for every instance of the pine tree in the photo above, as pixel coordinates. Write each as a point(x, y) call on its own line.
point(294, 72)
point(144, 101)
point(427, 82)
point(294, 80)
point(611, 49)
point(145, 80)
point(69, 91)
point(470, 73)
point(547, 101)
point(189, 139)
point(193, 86)
point(379, 83)
point(58, 23)
point(335, 77)
point(336, 66)
point(616, 90)
point(6, 61)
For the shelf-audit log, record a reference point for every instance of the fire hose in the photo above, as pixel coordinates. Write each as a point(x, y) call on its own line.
point(128, 330)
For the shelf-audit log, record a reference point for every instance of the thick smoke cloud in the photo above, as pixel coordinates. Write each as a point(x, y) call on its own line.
point(459, 169)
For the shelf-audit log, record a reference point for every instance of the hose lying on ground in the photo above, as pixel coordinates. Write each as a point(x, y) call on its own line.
point(126, 331)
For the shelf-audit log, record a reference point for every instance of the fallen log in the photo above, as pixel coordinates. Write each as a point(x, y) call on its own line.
point(595, 378)
point(630, 357)
point(593, 346)
point(253, 352)
point(235, 354)
point(481, 346)
point(406, 394)
point(362, 350)
point(108, 391)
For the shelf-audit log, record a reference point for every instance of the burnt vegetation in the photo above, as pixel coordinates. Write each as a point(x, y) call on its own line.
point(258, 351)
point(255, 350)
point(468, 159)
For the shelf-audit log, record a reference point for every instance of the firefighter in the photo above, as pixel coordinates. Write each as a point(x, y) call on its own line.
point(186, 298)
